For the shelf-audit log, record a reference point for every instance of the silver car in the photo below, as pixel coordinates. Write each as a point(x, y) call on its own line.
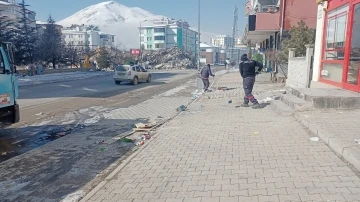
point(133, 74)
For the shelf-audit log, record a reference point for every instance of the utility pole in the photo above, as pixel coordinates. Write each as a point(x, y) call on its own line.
point(235, 29)
point(199, 6)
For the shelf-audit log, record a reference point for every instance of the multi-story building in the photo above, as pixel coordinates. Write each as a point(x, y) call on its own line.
point(84, 37)
point(167, 33)
point(210, 54)
point(12, 11)
point(270, 20)
point(223, 41)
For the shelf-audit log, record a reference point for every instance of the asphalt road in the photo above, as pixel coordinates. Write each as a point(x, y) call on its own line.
point(34, 96)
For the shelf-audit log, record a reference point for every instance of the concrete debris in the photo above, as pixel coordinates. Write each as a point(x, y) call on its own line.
point(169, 59)
point(357, 141)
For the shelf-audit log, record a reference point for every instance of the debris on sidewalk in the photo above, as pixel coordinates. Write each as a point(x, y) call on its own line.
point(266, 100)
point(222, 88)
point(144, 127)
point(256, 133)
point(230, 101)
point(181, 108)
point(357, 141)
point(126, 140)
point(4, 154)
point(314, 139)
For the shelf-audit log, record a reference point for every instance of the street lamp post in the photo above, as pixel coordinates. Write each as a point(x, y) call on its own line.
point(198, 35)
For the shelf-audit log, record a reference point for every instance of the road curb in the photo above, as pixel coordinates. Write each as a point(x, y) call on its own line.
point(346, 151)
point(133, 155)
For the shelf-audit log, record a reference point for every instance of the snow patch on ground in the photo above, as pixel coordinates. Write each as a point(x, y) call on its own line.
point(58, 77)
point(74, 197)
point(174, 91)
point(92, 120)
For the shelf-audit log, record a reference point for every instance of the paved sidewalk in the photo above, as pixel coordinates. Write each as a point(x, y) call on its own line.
point(216, 152)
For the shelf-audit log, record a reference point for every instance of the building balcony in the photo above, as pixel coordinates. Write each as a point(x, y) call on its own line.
point(261, 26)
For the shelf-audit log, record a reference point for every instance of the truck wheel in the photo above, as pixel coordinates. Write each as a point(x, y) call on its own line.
point(148, 79)
point(117, 82)
point(16, 113)
point(135, 81)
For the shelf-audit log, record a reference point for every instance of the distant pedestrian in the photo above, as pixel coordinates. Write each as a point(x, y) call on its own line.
point(205, 73)
point(248, 72)
point(225, 64)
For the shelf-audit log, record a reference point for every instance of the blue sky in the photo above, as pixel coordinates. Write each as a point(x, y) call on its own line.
point(216, 17)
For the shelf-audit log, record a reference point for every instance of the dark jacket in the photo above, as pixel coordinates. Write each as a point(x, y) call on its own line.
point(205, 72)
point(247, 67)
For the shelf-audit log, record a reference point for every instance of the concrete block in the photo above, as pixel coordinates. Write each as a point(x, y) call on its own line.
point(328, 98)
point(295, 103)
point(281, 108)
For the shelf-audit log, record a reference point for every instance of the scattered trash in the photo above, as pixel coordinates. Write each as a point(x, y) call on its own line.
point(102, 149)
point(357, 141)
point(127, 140)
point(146, 137)
point(230, 101)
point(181, 108)
point(256, 133)
point(39, 114)
point(144, 127)
point(208, 97)
point(61, 134)
point(4, 154)
point(266, 100)
point(314, 139)
point(139, 143)
point(222, 88)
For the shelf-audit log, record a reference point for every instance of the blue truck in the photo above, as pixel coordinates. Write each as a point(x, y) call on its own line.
point(9, 90)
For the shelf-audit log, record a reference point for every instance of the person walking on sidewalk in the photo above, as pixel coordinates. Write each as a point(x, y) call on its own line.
point(205, 73)
point(248, 72)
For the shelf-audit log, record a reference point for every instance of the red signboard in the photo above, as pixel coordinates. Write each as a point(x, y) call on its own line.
point(135, 51)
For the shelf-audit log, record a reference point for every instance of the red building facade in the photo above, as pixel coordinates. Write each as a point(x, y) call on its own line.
point(340, 58)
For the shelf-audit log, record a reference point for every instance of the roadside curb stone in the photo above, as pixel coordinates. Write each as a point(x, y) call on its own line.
point(343, 149)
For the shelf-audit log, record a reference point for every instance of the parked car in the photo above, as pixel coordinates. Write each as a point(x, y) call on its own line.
point(131, 73)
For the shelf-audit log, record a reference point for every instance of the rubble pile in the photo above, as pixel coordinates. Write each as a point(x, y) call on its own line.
point(173, 58)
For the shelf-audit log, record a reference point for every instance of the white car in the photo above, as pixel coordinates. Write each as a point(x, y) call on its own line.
point(133, 74)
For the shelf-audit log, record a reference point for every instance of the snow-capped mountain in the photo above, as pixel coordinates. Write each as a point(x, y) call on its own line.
point(114, 18)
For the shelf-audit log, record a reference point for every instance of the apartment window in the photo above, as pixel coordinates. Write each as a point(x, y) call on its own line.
point(159, 30)
point(159, 37)
point(202, 56)
point(148, 31)
point(149, 38)
point(149, 46)
point(203, 50)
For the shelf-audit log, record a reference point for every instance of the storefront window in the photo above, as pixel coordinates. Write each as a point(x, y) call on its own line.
point(335, 44)
point(354, 64)
point(336, 34)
